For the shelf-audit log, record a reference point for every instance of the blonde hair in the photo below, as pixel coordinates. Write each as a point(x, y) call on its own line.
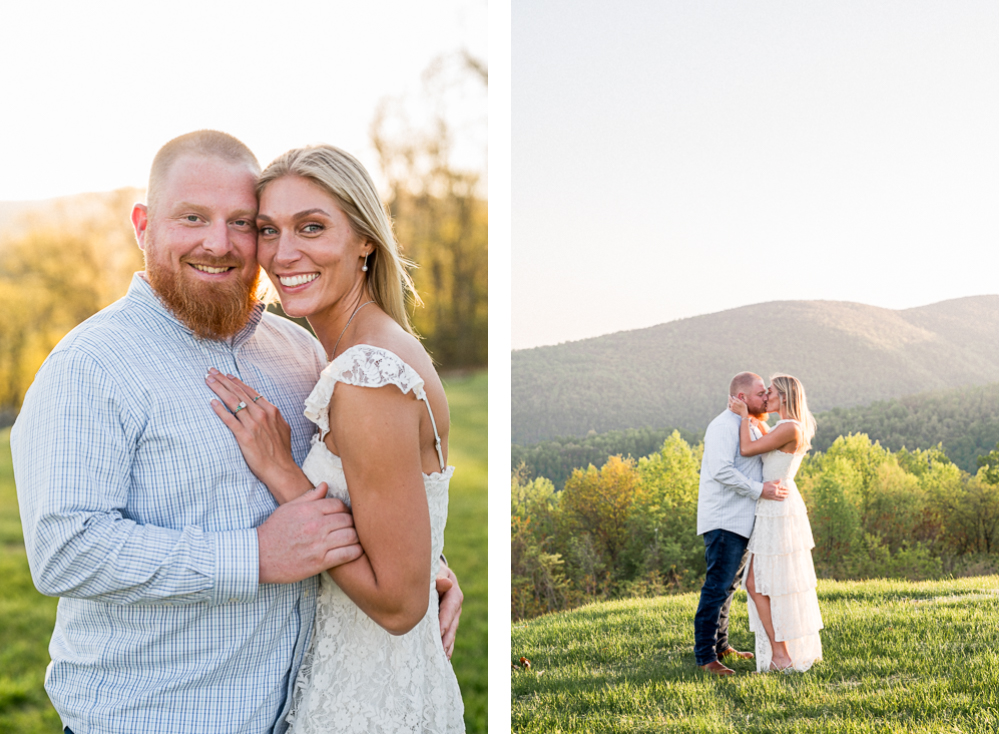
point(208, 143)
point(794, 396)
point(343, 177)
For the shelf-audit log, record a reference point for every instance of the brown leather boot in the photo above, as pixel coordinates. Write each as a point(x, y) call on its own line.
point(717, 668)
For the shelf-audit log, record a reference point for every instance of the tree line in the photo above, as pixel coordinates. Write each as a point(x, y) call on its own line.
point(628, 528)
point(557, 459)
point(962, 421)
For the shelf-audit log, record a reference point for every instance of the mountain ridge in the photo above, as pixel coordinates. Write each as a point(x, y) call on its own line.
point(677, 373)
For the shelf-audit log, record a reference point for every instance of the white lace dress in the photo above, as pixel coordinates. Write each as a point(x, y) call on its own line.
point(781, 552)
point(356, 677)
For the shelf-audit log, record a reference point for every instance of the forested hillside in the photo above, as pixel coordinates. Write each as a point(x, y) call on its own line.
point(963, 420)
point(677, 374)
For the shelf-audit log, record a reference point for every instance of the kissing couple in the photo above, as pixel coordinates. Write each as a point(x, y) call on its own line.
point(245, 523)
point(756, 530)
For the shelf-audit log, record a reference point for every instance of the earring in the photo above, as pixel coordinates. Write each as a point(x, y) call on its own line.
point(364, 268)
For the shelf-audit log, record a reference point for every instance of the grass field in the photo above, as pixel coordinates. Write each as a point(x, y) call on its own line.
point(26, 617)
point(898, 657)
point(465, 537)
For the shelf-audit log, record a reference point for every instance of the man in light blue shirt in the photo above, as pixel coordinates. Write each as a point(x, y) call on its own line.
point(187, 593)
point(727, 499)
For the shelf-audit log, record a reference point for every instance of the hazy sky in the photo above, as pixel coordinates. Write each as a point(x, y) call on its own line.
point(678, 158)
point(92, 90)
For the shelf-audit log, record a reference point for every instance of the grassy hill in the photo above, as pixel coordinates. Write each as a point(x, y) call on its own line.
point(677, 374)
point(27, 617)
point(897, 657)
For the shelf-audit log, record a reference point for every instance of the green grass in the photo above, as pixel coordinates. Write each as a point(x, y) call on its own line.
point(27, 617)
point(465, 537)
point(26, 620)
point(898, 657)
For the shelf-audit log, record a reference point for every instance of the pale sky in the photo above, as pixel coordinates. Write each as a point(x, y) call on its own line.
point(677, 158)
point(92, 90)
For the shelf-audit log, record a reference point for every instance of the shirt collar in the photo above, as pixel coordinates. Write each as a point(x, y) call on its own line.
point(141, 293)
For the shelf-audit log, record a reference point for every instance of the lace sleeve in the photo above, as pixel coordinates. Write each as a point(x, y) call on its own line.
point(365, 366)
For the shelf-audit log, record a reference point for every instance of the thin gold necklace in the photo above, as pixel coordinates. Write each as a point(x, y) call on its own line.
point(334, 353)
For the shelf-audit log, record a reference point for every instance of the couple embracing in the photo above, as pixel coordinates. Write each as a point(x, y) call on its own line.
point(245, 524)
point(756, 530)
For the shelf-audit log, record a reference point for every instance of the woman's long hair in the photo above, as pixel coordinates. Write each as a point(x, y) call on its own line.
point(794, 397)
point(343, 177)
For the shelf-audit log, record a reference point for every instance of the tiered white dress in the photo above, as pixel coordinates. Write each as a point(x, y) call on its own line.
point(356, 677)
point(780, 550)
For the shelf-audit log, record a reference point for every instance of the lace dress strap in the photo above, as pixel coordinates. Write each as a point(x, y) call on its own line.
point(366, 366)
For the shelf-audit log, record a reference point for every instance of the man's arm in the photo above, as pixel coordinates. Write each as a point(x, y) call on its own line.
point(721, 448)
point(73, 446)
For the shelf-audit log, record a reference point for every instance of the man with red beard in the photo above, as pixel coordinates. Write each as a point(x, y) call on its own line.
point(728, 490)
point(187, 594)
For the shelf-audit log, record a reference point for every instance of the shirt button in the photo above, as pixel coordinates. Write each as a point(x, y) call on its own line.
point(232, 601)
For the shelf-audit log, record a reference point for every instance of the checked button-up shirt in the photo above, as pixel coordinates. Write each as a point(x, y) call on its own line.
point(140, 513)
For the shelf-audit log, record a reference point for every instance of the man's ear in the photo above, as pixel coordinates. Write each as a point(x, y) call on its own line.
point(140, 220)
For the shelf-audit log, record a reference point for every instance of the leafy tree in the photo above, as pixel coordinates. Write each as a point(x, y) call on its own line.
point(55, 274)
point(538, 582)
point(989, 463)
point(968, 510)
point(597, 503)
point(664, 515)
point(865, 458)
point(836, 521)
point(440, 215)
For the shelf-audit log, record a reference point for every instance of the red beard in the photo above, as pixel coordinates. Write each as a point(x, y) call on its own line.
point(211, 311)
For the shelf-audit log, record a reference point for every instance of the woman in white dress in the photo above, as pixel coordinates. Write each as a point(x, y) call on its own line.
point(779, 576)
point(376, 662)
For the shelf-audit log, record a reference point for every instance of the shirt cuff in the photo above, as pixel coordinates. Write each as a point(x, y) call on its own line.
point(758, 489)
point(237, 566)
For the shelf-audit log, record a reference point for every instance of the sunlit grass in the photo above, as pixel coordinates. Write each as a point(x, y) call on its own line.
point(26, 620)
point(898, 657)
point(465, 537)
point(27, 617)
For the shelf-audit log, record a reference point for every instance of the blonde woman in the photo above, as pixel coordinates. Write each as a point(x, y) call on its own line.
point(779, 576)
point(376, 661)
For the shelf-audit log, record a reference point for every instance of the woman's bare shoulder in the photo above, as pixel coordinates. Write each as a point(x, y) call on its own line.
point(385, 333)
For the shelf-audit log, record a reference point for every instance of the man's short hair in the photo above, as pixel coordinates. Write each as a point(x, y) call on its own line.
point(742, 383)
point(201, 142)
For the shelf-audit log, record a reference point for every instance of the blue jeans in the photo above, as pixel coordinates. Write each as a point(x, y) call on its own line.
point(725, 554)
